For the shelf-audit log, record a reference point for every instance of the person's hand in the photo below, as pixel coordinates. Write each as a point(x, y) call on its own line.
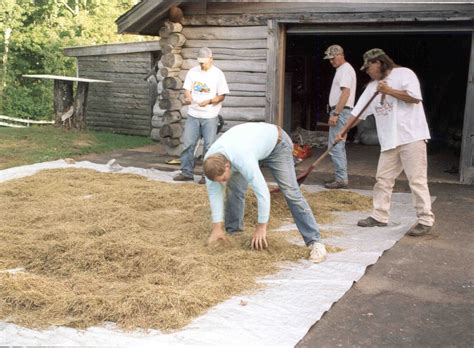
point(339, 137)
point(383, 87)
point(217, 234)
point(259, 238)
point(333, 120)
point(205, 102)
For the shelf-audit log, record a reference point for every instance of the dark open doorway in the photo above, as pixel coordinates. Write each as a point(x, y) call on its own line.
point(441, 61)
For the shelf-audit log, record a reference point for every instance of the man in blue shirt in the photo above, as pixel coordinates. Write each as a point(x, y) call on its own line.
point(232, 163)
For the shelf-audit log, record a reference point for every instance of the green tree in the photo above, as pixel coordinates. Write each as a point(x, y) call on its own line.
point(34, 33)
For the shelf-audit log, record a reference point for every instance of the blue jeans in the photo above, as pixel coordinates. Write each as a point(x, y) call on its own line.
point(193, 130)
point(282, 167)
point(338, 152)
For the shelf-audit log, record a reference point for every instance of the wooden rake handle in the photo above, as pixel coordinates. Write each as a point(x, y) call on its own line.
point(300, 178)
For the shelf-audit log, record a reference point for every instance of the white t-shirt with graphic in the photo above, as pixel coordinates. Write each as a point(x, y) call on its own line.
point(397, 122)
point(205, 85)
point(345, 77)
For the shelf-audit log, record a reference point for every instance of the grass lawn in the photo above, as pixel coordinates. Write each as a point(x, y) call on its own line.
point(20, 146)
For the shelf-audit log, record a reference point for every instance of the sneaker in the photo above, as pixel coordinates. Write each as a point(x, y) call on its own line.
point(370, 222)
point(202, 181)
point(419, 230)
point(336, 185)
point(318, 252)
point(181, 177)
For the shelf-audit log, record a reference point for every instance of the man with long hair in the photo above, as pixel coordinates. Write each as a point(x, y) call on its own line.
point(403, 131)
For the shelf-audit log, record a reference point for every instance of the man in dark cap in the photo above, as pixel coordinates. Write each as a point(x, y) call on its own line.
point(341, 102)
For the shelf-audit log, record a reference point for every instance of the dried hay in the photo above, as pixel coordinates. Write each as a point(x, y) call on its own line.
point(124, 249)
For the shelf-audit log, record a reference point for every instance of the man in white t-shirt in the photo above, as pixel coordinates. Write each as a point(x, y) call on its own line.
point(205, 88)
point(341, 102)
point(403, 131)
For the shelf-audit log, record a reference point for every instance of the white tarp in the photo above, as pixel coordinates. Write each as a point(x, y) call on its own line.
point(278, 315)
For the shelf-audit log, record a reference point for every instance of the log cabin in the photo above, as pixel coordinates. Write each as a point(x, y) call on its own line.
point(271, 54)
point(125, 105)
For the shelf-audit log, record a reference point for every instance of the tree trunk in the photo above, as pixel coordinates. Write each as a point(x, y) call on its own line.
point(176, 39)
point(171, 142)
point(170, 94)
point(173, 83)
point(226, 33)
point(231, 65)
point(6, 44)
point(170, 104)
point(172, 117)
point(63, 99)
point(237, 44)
point(80, 104)
point(174, 130)
point(243, 114)
point(168, 48)
point(169, 72)
point(171, 60)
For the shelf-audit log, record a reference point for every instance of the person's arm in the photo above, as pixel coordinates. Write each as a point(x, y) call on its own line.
point(347, 127)
point(217, 233)
point(215, 192)
point(359, 107)
point(345, 93)
point(252, 173)
point(216, 100)
point(259, 238)
point(188, 98)
point(384, 88)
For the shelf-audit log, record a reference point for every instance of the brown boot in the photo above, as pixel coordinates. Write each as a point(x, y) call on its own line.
point(181, 177)
point(370, 222)
point(202, 181)
point(419, 230)
point(336, 185)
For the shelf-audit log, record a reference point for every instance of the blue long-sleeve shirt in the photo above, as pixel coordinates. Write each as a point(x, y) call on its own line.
point(244, 146)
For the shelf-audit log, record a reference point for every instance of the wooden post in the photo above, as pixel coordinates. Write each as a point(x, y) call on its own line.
point(63, 99)
point(80, 104)
point(466, 161)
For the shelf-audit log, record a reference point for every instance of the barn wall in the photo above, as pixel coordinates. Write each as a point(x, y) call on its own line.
point(124, 105)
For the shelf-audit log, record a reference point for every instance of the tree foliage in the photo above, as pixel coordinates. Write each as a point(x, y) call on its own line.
point(33, 35)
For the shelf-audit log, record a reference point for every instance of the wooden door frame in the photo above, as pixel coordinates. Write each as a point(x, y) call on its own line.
point(274, 111)
point(276, 49)
point(466, 163)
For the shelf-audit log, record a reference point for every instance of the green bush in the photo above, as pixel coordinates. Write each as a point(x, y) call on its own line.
point(32, 101)
point(38, 32)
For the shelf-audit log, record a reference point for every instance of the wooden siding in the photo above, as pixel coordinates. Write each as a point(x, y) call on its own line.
point(240, 52)
point(124, 105)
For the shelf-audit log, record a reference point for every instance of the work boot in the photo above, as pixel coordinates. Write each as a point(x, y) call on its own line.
point(202, 181)
point(318, 252)
point(181, 177)
point(336, 185)
point(419, 230)
point(370, 222)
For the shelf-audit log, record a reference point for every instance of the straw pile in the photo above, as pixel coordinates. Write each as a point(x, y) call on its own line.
point(120, 248)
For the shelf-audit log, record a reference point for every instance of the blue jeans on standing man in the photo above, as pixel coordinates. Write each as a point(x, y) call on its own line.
point(338, 152)
point(282, 167)
point(194, 128)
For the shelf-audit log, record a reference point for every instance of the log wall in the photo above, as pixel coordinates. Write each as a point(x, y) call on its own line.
point(240, 52)
point(123, 106)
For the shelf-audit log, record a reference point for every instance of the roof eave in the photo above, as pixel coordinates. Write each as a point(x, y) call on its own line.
point(140, 18)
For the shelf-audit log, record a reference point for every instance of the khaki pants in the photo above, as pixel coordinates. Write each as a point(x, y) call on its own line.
point(412, 159)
